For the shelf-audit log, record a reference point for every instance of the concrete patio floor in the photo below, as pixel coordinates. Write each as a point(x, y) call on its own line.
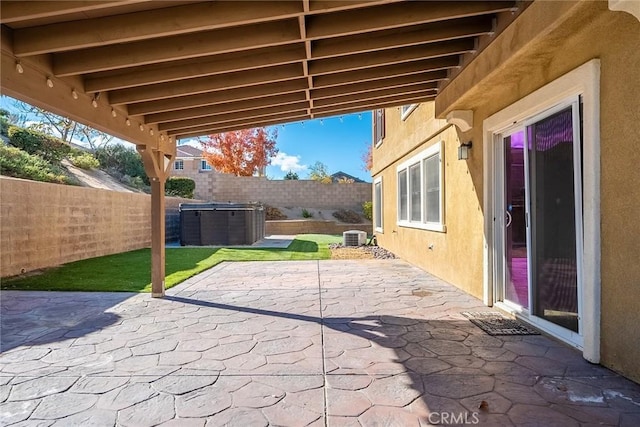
point(338, 343)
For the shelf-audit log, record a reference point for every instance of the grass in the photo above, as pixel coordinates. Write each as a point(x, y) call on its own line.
point(131, 271)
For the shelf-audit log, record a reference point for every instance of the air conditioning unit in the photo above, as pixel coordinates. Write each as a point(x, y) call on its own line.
point(354, 238)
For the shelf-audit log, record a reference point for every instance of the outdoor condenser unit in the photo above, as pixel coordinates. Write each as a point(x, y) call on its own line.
point(354, 238)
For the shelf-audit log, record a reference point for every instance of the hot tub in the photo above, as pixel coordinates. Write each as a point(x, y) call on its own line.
point(221, 224)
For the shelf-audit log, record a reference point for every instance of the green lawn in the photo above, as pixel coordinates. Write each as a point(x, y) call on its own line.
point(131, 271)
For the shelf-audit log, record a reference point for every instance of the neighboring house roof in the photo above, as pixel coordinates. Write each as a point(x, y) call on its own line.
point(335, 177)
point(188, 151)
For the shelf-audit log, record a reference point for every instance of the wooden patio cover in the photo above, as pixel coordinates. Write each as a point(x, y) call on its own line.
point(151, 72)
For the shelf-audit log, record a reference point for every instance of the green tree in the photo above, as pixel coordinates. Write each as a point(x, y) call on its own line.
point(291, 176)
point(66, 129)
point(319, 172)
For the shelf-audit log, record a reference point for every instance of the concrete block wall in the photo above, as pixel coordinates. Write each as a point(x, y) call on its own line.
point(44, 225)
point(282, 193)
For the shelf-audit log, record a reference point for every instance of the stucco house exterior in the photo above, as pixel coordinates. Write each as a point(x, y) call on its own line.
point(189, 162)
point(520, 183)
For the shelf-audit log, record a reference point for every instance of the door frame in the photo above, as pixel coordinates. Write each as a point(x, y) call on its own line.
point(584, 81)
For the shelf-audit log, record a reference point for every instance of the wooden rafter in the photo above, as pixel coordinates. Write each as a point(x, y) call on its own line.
point(182, 67)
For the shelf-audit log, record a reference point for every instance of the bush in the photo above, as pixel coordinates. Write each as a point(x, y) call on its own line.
point(20, 164)
point(272, 213)
point(348, 216)
point(135, 182)
point(121, 160)
point(306, 214)
point(48, 147)
point(84, 161)
point(4, 126)
point(367, 209)
point(180, 187)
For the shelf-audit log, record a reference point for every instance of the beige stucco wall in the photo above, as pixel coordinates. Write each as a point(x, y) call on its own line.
point(44, 225)
point(519, 62)
point(456, 255)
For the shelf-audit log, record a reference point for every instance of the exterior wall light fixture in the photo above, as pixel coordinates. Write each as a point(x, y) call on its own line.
point(463, 150)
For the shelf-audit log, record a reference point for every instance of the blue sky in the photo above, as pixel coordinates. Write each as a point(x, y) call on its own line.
point(339, 142)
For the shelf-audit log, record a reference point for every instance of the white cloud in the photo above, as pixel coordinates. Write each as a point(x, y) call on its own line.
point(288, 163)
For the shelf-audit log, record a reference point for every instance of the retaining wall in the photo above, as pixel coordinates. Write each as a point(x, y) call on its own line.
point(44, 225)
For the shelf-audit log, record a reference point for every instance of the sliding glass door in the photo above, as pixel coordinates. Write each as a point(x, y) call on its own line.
point(538, 184)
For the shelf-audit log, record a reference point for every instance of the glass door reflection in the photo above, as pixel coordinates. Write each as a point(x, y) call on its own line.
point(516, 283)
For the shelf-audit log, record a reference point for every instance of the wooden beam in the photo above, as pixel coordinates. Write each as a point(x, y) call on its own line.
point(398, 15)
point(228, 107)
point(175, 47)
point(240, 124)
point(218, 97)
point(358, 107)
point(375, 85)
point(206, 84)
point(20, 10)
point(390, 56)
point(411, 36)
point(218, 119)
point(422, 88)
point(136, 26)
point(436, 66)
point(191, 68)
point(322, 6)
point(30, 86)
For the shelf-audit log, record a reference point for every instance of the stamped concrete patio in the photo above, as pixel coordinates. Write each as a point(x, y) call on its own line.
point(339, 343)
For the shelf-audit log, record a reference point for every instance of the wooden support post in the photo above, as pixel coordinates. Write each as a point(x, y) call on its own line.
point(157, 164)
point(157, 237)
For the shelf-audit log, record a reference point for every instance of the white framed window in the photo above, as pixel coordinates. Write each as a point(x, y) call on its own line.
point(204, 166)
point(178, 165)
point(420, 195)
point(406, 110)
point(377, 205)
point(378, 126)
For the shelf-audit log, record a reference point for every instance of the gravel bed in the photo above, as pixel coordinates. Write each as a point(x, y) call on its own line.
point(376, 251)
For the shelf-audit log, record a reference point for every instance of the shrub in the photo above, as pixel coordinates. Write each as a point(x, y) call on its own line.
point(20, 164)
point(180, 186)
point(48, 147)
point(122, 160)
point(135, 182)
point(345, 180)
point(306, 214)
point(348, 216)
point(272, 213)
point(84, 161)
point(4, 122)
point(367, 209)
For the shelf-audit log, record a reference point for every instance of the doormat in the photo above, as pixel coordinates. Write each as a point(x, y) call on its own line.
point(495, 323)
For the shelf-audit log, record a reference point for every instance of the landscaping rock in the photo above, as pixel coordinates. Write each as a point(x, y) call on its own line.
point(376, 251)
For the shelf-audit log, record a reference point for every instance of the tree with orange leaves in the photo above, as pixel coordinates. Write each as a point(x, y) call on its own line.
point(241, 152)
point(367, 159)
